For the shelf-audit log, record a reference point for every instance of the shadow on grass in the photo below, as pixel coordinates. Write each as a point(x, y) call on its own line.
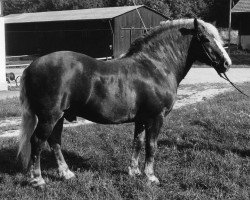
point(201, 145)
point(9, 164)
point(8, 161)
point(76, 162)
point(198, 145)
point(73, 160)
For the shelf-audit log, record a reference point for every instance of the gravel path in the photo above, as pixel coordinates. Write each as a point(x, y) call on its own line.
point(209, 75)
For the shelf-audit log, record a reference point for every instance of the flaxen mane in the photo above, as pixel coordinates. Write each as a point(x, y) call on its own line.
point(211, 29)
point(137, 45)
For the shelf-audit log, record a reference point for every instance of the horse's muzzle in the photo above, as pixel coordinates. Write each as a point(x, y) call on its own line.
point(226, 65)
point(222, 67)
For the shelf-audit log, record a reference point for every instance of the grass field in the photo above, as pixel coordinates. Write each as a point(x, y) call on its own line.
point(10, 107)
point(203, 154)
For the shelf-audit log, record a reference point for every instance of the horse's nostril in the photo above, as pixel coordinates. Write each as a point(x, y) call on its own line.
point(226, 64)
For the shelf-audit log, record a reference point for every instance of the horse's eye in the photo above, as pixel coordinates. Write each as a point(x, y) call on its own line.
point(205, 39)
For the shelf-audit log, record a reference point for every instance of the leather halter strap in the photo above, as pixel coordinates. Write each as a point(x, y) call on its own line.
point(213, 62)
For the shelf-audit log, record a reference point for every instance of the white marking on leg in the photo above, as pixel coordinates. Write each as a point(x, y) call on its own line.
point(64, 171)
point(63, 168)
point(37, 182)
point(137, 144)
point(134, 169)
point(36, 179)
point(149, 164)
point(149, 172)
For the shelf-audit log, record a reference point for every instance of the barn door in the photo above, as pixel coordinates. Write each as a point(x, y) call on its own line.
point(133, 33)
point(126, 37)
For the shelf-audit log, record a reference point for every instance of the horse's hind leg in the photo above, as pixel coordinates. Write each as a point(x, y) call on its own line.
point(38, 139)
point(153, 127)
point(55, 143)
point(139, 136)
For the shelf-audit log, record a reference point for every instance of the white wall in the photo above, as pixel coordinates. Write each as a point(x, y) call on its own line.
point(3, 83)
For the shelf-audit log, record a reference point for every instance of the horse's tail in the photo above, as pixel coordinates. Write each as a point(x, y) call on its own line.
point(28, 125)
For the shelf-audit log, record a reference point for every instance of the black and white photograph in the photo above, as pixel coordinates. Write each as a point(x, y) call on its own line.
point(125, 99)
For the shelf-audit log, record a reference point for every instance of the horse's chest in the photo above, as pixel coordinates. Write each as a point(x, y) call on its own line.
point(154, 96)
point(159, 99)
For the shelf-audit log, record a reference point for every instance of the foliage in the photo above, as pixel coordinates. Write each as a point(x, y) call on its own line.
point(211, 10)
point(19, 6)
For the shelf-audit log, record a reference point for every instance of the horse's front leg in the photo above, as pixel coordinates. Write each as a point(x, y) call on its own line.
point(153, 127)
point(139, 136)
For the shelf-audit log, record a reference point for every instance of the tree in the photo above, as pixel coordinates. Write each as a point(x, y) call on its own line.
point(158, 5)
point(210, 10)
point(15, 6)
point(20, 6)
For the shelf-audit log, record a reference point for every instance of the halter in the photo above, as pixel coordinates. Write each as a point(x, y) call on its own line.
point(216, 63)
point(213, 62)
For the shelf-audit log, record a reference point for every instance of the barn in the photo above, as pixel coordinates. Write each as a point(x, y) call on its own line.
point(241, 17)
point(98, 32)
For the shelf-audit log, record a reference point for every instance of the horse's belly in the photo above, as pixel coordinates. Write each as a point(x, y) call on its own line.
point(107, 112)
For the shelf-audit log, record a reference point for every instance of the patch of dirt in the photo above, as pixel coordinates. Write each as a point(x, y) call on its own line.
point(13, 132)
point(10, 122)
point(187, 97)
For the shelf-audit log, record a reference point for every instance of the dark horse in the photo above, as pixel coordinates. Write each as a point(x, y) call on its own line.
point(138, 87)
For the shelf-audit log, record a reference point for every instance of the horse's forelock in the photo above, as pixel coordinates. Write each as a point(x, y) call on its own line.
point(212, 30)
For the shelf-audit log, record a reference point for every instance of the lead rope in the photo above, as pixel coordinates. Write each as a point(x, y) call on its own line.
point(140, 17)
point(227, 79)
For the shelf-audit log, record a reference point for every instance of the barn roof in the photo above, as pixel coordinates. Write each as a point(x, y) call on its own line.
point(71, 15)
point(242, 6)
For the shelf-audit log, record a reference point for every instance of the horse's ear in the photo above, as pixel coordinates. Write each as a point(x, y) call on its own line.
point(185, 31)
point(196, 25)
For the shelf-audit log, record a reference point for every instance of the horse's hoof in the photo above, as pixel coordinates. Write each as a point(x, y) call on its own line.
point(134, 171)
point(153, 180)
point(37, 182)
point(66, 174)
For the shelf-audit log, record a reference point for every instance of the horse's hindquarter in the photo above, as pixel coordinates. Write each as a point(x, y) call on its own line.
point(53, 80)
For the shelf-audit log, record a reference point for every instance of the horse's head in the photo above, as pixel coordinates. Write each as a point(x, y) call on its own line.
point(208, 46)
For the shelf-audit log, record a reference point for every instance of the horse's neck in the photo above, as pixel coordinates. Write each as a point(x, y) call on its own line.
point(172, 52)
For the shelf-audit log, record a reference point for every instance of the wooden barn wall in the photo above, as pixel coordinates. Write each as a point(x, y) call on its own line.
point(122, 38)
point(243, 21)
point(89, 37)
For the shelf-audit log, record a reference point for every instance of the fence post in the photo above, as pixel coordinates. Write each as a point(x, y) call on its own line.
point(3, 83)
point(229, 25)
